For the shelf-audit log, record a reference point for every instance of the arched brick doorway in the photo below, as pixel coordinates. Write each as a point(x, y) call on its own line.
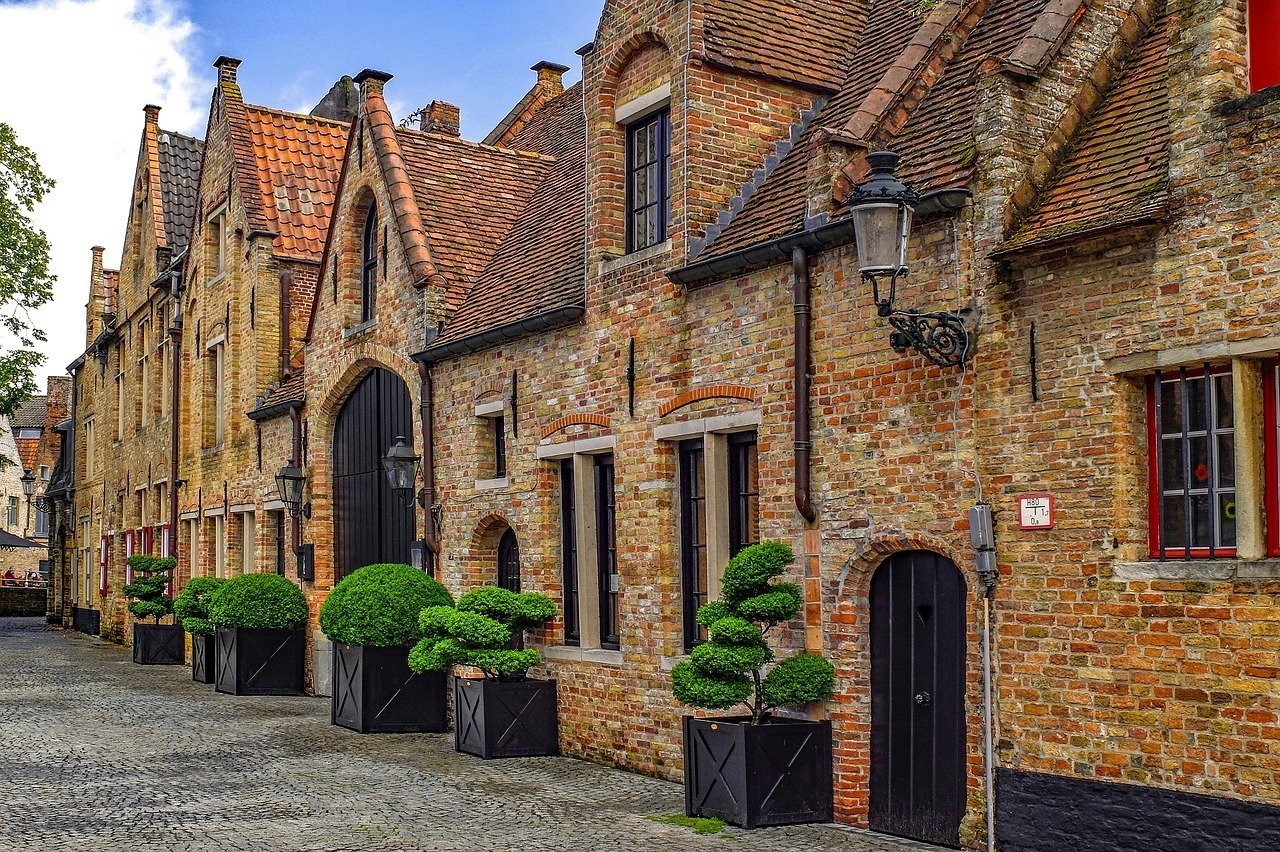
point(371, 523)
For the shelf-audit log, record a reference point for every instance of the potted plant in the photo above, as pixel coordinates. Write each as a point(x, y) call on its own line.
point(504, 713)
point(758, 769)
point(192, 609)
point(371, 617)
point(153, 644)
point(258, 640)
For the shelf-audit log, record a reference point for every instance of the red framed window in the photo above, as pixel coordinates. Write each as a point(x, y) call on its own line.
point(1264, 44)
point(1191, 463)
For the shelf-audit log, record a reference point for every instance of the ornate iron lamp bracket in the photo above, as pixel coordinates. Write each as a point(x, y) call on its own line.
point(941, 336)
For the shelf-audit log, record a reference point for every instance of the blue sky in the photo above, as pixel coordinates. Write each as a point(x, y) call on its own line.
point(100, 61)
point(474, 54)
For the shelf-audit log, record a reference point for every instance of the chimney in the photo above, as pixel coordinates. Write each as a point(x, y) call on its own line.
point(550, 77)
point(442, 117)
point(152, 112)
point(340, 103)
point(94, 308)
point(371, 81)
point(226, 68)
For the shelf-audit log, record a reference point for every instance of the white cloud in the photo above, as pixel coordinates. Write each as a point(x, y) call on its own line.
point(77, 74)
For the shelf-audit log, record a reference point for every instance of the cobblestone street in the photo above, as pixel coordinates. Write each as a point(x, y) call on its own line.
point(97, 753)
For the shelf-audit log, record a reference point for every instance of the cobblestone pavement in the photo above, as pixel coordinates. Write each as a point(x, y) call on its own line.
point(97, 753)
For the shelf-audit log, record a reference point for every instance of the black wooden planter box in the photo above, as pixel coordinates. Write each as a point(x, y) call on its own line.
point(505, 718)
point(258, 661)
point(159, 645)
point(202, 657)
point(375, 692)
point(775, 773)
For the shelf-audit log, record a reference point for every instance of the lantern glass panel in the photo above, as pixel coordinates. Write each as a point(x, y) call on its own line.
point(400, 473)
point(882, 231)
point(289, 482)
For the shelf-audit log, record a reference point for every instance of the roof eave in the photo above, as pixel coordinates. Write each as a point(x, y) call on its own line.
point(545, 321)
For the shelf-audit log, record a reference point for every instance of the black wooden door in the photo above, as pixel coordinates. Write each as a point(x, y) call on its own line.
point(917, 698)
point(509, 561)
point(371, 523)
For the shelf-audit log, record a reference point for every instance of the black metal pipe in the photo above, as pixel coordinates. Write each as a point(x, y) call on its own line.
point(295, 459)
point(427, 393)
point(803, 446)
point(175, 399)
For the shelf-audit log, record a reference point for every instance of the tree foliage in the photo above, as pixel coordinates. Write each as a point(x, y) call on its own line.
point(481, 630)
point(151, 576)
point(258, 601)
point(25, 280)
point(379, 605)
point(192, 604)
point(728, 669)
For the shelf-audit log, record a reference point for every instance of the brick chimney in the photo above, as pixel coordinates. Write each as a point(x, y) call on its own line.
point(442, 117)
point(550, 77)
point(152, 113)
point(226, 66)
point(97, 296)
point(370, 80)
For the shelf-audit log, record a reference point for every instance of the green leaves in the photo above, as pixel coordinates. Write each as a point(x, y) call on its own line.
point(696, 689)
point(192, 604)
point(479, 632)
point(147, 591)
point(748, 574)
point(258, 601)
point(25, 280)
point(800, 679)
point(380, 605)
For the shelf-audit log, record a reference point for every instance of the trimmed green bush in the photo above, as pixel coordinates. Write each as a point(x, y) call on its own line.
point(151, 576)
point(379, 605)
point(266, 601)
point(192, 604)
point(729, 668)
point(479, 631)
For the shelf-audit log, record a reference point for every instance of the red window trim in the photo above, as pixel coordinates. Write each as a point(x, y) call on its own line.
point(1153, 488)
point(1264, 38)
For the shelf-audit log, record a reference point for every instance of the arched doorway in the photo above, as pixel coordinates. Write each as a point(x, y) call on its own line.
point(509, 561)
point(917, 698)
point(371, 523)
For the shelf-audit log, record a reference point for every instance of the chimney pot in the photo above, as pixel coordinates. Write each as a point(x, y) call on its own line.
point(152, 113)
point(442, 117)
point(226, 66)
point(550, 75)
point(371, 80)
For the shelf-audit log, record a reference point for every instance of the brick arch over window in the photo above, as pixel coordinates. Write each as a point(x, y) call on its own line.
point(706, 392)
point(578, 419)
point(855, 575)
point(351, 250)
point(482, 549)
point(621, 59)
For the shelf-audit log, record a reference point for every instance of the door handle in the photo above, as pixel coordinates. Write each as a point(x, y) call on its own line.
point(923, 698)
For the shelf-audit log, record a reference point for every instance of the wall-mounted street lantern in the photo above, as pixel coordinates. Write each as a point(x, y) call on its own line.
point(289, 482)
point(882, 208)
point(28, 483)
point(401, 466)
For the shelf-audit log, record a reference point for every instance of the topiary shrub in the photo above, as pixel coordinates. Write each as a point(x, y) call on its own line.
point(265, 601)
point(379, 605)
point(728, 669)
point(151, 576)
point(192, 604)
point(480, 630)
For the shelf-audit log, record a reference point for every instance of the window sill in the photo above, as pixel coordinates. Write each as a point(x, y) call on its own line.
point(569, 653)
point(491, 484)
point(359, 329)
point(217, 279)
point(1220, 570)
point(209, 452)
point(660, 250)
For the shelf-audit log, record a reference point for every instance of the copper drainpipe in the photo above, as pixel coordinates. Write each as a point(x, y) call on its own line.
point(295, 459)
point(428, 497)
point(803, 446)
point(175, 416)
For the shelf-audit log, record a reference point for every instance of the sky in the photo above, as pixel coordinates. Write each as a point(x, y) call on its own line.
point(78, 73)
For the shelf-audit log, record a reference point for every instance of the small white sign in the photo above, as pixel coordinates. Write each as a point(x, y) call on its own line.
point(1035, 511)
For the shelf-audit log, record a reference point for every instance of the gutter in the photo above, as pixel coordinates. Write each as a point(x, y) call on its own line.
point(819, 234)
point(554, 318)
point(274, 410)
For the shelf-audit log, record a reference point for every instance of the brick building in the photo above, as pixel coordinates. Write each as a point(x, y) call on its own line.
point(629, 335)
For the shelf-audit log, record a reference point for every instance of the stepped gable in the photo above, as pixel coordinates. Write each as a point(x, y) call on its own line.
point(298, 159)
point(539, 265)
point(179, 161)
point(806, 42)
point(1118, 169)
point(468, 195)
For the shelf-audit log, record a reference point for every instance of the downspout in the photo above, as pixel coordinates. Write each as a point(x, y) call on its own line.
point(70, 502)
point(430, 536)
point(803, 446)
point(175, 416)
point(295, 459)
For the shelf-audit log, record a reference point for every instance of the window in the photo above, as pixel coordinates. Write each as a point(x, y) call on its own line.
point(12, 514)
point(569, 552)
point(648, 193)
point(215, 394)
point(1264, 33)
point(744, 492)
point(248, 550)
point(90, 448)
point(42, 522)
point(219, 546)
point(119, 406)
point(30, 433)
point(693, 538)
point(217, 244)
point(1191, 437)
point(369, 266)
point(499, 426)
point(509, 562)
point(144, 375)
point(193, 546)
point(606, 551)
point(162, 352)
point(277, 521)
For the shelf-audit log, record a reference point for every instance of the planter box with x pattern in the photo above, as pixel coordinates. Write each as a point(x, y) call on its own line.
point(774, 773)
point(202, 657)
point(505, 718)
point(375, 691)
point(259, 661)
point(158, 645)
